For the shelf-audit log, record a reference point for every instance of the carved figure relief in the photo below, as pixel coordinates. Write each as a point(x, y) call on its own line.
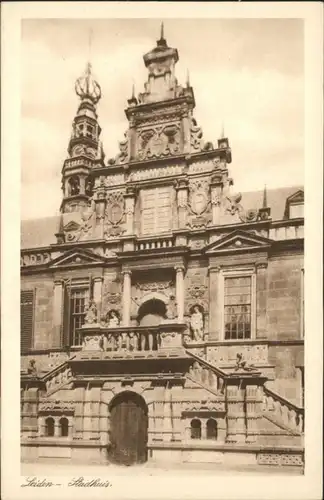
point(122, 157)
point(113, 319)
point(91, 313)
point(159, 141)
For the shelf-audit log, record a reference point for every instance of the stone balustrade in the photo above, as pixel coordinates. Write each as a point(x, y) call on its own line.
point(37, 258)
point(152, 244)
point(132, 339)
point(282, 411)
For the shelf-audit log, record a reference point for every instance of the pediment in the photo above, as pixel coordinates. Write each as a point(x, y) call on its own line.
point(76, 257)
point(238, 241)
point(297, 197)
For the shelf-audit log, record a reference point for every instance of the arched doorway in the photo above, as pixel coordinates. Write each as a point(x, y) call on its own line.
point(128, 429)
point(151, 312)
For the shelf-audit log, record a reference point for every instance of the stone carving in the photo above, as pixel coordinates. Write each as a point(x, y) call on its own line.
point(206, 376)
point(198, 200)
point(91, 313)
point(203, 406)
point(57, 406)
point(197, 324)
point(113, 319)
point(227, 354)
point(82, 150)
point(59, 378)
point(280, 459)
point(243, 365)
point(196, 134)
point(153, 286)
point(159, 141)
point(114, 215)
point(156, 172)
point(232, 204)
point(92, 343)
point(172, 308)
point(248, 215)
point(201, 166)
point(122, 157)
point(114, 180)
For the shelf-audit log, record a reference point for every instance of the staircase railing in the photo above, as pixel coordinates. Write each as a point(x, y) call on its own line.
point(281, 410)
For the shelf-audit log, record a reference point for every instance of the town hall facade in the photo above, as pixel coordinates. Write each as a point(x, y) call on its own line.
point(162, 312)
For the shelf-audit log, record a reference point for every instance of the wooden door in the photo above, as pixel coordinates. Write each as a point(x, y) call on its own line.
point(128, 430)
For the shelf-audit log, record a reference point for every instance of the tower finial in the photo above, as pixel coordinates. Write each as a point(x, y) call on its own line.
point(90, 44)
point(188, 79)
point(222, 130)
point(133, 90)
point(162, 31)
point(265, 201)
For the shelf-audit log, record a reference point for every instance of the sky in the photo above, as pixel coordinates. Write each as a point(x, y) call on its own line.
point(247, 74)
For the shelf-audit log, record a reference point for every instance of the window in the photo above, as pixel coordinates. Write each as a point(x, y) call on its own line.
point(49, 427)
point(26, 319)
point(76, 297)
point(296, 210)
point(156, 213)
point(237, 307)
point(64, 427)
point(195, 429)
point(211, 429)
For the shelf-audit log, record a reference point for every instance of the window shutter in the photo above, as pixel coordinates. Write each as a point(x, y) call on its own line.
point(66, 314)
point(27, 298)
point(156, 210)
point(163, 208)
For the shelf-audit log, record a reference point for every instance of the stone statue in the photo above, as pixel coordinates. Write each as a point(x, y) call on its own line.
point(113, 320)
point(243, 365)
point(91, 313)
point(32, 370)
point(197, 324)
point(172, 308)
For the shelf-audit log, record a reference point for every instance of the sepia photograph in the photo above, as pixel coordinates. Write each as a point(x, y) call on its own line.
point(162, 266)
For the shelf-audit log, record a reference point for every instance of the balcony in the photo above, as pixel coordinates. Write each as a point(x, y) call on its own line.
point(133, 341)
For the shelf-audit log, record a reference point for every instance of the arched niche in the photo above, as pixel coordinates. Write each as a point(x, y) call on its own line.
point(152, 312)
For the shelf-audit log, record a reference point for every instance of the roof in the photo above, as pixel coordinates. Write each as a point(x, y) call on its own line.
point(37, 233)
point(276, 200)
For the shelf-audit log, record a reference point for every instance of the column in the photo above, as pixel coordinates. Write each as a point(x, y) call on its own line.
point(57, 430)
point(82, 185)
point(215, 303)
point(57, 313)
point(129, 210)
point(97, 288)
point(126, 297)
point(261, 300)
point(95, 411)
point(180, 292)
point(252, 403)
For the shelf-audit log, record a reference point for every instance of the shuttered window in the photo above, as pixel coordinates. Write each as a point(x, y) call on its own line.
point(238, 299)
point(156, 215)
point(27, 298)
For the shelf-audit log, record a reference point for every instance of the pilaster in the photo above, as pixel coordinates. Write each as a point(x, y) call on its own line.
point(180, 292)
point(215, 303)
point(58, 312)
point(261, 300)
point(126, 297)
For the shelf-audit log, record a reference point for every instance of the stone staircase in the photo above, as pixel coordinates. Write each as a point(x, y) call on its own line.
point(275, 408)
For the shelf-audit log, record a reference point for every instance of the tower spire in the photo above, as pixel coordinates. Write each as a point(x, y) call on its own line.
point(188, 79)
point(222, 130)
point(162, 31)
point(265, 201)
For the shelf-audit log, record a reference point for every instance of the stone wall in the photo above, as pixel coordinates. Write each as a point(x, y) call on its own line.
point(284, 297)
